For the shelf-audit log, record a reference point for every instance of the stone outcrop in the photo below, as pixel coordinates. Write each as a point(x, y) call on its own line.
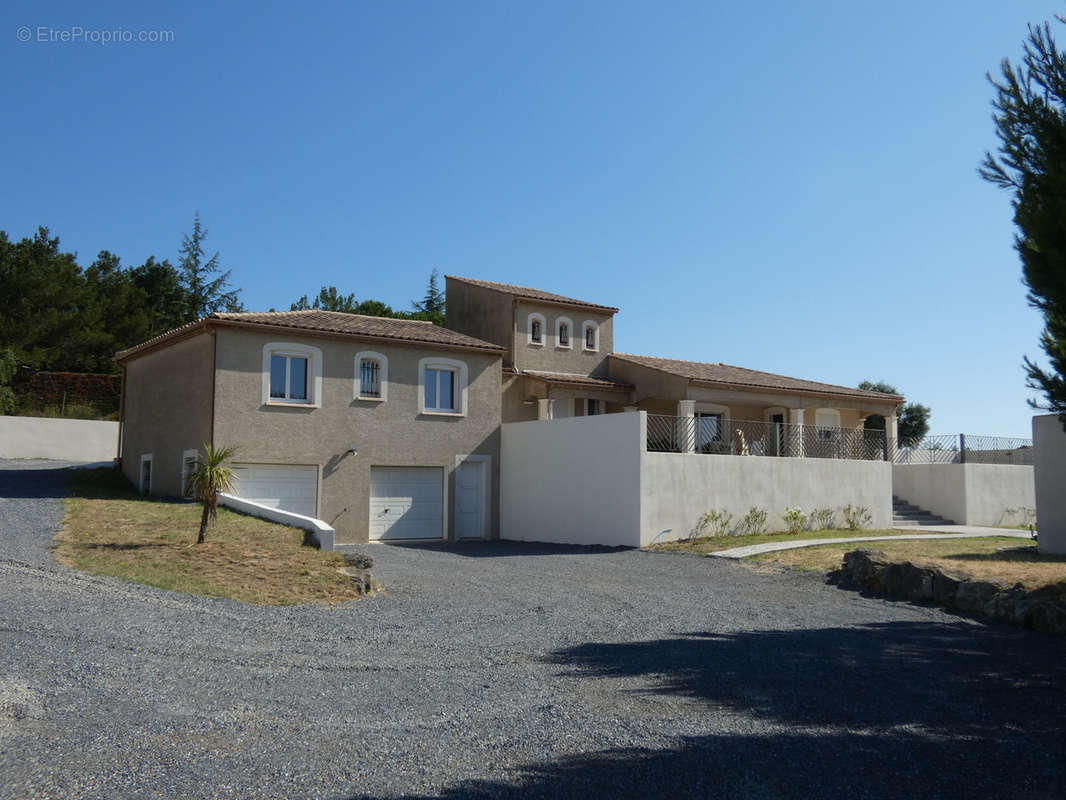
point(1041, 609)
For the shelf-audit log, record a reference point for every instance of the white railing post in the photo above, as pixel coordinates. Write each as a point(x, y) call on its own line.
point(686, 426)
point(795, 416)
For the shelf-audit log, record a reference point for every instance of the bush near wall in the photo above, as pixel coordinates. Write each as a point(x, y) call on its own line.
point(69, 394)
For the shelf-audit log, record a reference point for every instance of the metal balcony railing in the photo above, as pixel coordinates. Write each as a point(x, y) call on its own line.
point(714, 435)
point(967, 448)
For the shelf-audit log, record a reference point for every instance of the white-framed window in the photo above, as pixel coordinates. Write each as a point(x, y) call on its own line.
point(590, 336)
point(292, 374)
point(144, 485)
point(442, 386)
point(190, 459)
point(564, 333)
point(827, 421)
point(371, 376)
point(535, 329)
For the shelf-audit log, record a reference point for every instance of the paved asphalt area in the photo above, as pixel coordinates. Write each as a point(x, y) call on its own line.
point(513, 671)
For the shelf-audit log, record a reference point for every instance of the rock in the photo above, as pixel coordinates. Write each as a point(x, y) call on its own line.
point(973, 595)
point(908, 580)
point(944, 587)
point(366, 583)
point(1001, 606)
point(861, 567)
point(359, 560)
point(1047, 616)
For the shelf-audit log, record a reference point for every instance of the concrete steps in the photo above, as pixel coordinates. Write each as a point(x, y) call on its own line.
point(904, 513)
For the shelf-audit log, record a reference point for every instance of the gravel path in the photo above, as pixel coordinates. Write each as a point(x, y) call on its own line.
point(507, 670)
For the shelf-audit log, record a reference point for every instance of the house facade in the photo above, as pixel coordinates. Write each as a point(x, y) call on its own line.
point(386, 429)
point(392, 429)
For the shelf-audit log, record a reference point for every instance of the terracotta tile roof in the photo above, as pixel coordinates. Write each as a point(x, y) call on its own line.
point(702, 372)
point(326, 322)
point(577, 380)
point(539, 295)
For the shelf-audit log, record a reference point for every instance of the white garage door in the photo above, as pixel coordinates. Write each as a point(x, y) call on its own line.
point(289, 488)
point(406, 503)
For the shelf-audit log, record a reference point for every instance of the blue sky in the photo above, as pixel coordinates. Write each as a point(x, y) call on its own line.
point(791, 187)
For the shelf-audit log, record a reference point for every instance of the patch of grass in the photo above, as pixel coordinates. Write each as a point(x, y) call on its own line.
point(712, 544)
point(994, 558)
point(109, 529)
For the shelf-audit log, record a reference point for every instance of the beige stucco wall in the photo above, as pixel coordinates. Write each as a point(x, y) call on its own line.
point(550, 358)
point(167, 410)
point(482, 313)
point(390, 433)
point(1049, 461)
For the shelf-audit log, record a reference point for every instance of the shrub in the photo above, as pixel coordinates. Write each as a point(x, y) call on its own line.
point(753, 522)
point(718, 520)
point(795, 519)
point(823, 518)
point(856, 517)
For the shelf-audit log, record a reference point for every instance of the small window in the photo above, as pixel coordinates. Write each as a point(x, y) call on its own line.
point(146, 474)
point(590, 335)
point(190, 459)
point(292, 374)
point(563, 327)
point(827, 421)
point(592, 407)
point(535, 329)
point(442, 386)
point(371, 376)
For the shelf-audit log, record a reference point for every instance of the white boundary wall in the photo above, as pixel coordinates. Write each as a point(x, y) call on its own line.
point(1049, 443)
point(588, 480)
point(679, 488)
point(61, 439)
point(572, 481)
point(967, 494)
point(323, 533)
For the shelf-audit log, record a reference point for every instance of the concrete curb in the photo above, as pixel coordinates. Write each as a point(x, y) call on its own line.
point(771, 547)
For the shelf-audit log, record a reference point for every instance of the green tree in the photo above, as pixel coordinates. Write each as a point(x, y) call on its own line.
point(912, 419)
point(207, 287)
point(328, 299)
point(213, 476)
point(431, 307)
point(1030, 120)
point(8, 364)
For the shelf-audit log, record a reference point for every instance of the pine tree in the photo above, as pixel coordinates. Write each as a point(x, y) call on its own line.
point(207, 286)
point(1030, 118)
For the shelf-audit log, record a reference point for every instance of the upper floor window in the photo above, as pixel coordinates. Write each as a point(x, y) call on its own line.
point(442, 386)
point(536, 329)
point(591, 336)
point(292, 374)
point(563, 326)
point(371, 376)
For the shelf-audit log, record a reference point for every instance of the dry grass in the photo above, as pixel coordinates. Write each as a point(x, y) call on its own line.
point(110, 530)
point(712, 544)
point(1006, 560)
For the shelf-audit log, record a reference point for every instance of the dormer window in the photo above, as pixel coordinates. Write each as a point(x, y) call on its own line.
point(563, 326)
point(535, 329)
point(591, 336)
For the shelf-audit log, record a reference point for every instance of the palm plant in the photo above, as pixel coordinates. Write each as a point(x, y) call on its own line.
point(212, 476)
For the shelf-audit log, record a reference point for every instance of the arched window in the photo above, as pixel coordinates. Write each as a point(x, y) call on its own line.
point(536, 329)
point(563, 327)
point(590, 335)
point(371, 376)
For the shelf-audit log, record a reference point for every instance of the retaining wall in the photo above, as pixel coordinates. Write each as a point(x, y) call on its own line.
point(61, 439)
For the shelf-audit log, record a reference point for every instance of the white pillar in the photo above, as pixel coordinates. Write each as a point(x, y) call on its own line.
point(795, 437)
point(544, 408)
point(891, 434)
point(686, 425)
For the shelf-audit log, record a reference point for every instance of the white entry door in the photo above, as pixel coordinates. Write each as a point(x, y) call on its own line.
point(406, 503)
point(290, 488)
point(470, 506)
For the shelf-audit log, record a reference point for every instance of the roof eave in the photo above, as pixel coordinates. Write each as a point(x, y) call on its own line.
point(888, 399)
point(609, 310)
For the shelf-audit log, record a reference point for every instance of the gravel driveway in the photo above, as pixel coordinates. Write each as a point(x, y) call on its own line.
point(506, 670)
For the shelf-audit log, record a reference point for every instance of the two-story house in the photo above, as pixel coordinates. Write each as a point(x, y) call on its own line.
point(384, 428)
